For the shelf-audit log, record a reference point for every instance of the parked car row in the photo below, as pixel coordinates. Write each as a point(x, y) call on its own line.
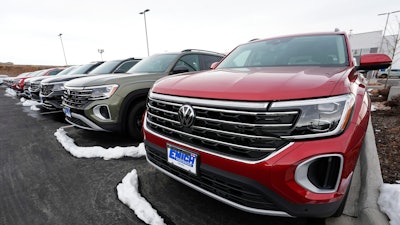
point(52, 90)
point(117, 102)
point(274, 127)
point(29, 84)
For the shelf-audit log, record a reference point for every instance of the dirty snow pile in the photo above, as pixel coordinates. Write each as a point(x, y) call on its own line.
point(30, 103)
point(128, 193)
point(389, 202)
point(98, 151)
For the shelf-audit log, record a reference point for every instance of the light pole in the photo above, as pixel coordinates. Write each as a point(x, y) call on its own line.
point(62, 45)
point(145, 29)
point(101, 53)
point(384, 31)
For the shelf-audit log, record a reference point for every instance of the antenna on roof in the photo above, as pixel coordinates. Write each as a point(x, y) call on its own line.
point(337, 29)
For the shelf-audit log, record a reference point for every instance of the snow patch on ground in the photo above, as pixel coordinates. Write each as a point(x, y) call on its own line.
point(128, 193)
point(389, 202)
point(98, 151)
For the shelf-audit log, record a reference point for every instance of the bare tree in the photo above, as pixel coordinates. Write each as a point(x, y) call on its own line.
point(392, 43)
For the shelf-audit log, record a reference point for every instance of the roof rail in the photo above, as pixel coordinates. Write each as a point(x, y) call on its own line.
point(200, 50)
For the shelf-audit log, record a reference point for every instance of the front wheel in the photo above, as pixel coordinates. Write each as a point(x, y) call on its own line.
point(135, 122)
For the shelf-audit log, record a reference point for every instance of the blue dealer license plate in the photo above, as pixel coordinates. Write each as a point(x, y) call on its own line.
point(182, 159)
point(67, 112)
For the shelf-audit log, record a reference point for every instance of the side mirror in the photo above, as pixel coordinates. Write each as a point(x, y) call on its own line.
point(214, 65)
point(180, 69)
point(374, 62)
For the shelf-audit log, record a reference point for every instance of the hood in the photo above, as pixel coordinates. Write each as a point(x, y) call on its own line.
point(93, 80)
point(259, 83)
point(63, 78)
point(120, 78)
point(36, 79)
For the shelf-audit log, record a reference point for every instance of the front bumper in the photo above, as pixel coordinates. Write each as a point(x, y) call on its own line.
point(52, 101)
point(96, 115)
point(269, 186)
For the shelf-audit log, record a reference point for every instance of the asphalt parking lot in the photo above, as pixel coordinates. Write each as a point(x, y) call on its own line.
point(41, 183)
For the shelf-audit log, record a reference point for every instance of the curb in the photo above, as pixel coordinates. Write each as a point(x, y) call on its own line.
point(371, 179)
point(361, 206)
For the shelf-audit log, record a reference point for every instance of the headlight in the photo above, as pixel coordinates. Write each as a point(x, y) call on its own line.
point(58, 86)
point(318, 117)
point(102, 92)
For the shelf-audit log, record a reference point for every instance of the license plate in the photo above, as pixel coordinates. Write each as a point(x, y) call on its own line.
point(67, 112)
point(182, 159)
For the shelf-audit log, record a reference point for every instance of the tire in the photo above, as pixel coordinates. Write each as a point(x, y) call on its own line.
point(135, 116)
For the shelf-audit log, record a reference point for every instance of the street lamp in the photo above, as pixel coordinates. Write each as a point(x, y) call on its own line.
point(145, 29)
point(62, 45)
point(384, 31)
point(101, 53)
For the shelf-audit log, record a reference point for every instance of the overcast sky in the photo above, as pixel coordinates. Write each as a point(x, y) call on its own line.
point(30, 30)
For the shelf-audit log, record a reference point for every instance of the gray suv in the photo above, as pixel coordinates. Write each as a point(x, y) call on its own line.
point(116, 103)
point(52, 90)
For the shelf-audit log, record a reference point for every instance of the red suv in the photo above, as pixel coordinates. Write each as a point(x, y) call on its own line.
point(275, 129)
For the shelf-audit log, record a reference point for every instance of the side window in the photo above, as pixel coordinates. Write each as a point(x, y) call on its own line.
point(191, 62)
point(124, 67)
point(207, 60)
point(54, 72)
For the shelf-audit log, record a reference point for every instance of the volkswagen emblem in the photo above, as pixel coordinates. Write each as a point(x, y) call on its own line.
point(186, 115)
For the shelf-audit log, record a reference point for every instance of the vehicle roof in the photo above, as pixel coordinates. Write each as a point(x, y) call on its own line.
point(301, 34)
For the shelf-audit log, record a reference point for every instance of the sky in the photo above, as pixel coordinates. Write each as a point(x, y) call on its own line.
point(30, 30)
point(128, 189)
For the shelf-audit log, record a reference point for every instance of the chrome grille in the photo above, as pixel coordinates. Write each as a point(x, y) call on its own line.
point(46, 89)
point(242, 130)
point(34, 87)
point(76, 97)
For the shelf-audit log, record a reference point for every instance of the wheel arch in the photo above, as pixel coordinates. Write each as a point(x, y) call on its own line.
point(128, 103)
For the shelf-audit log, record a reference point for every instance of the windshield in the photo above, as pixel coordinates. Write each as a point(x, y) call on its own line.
point(106, 67)
point(154, 64)
point(67, 70)
point(83, 69)
point(316, 50)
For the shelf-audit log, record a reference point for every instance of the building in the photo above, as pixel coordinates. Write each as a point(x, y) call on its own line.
point(372, 42)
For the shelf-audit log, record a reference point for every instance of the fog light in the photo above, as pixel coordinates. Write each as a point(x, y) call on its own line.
point(320, 174)
point(102, 111)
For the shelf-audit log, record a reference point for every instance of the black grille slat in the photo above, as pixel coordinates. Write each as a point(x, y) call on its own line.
point(249, 134)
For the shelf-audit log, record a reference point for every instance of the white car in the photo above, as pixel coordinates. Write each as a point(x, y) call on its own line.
point(393, 73)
